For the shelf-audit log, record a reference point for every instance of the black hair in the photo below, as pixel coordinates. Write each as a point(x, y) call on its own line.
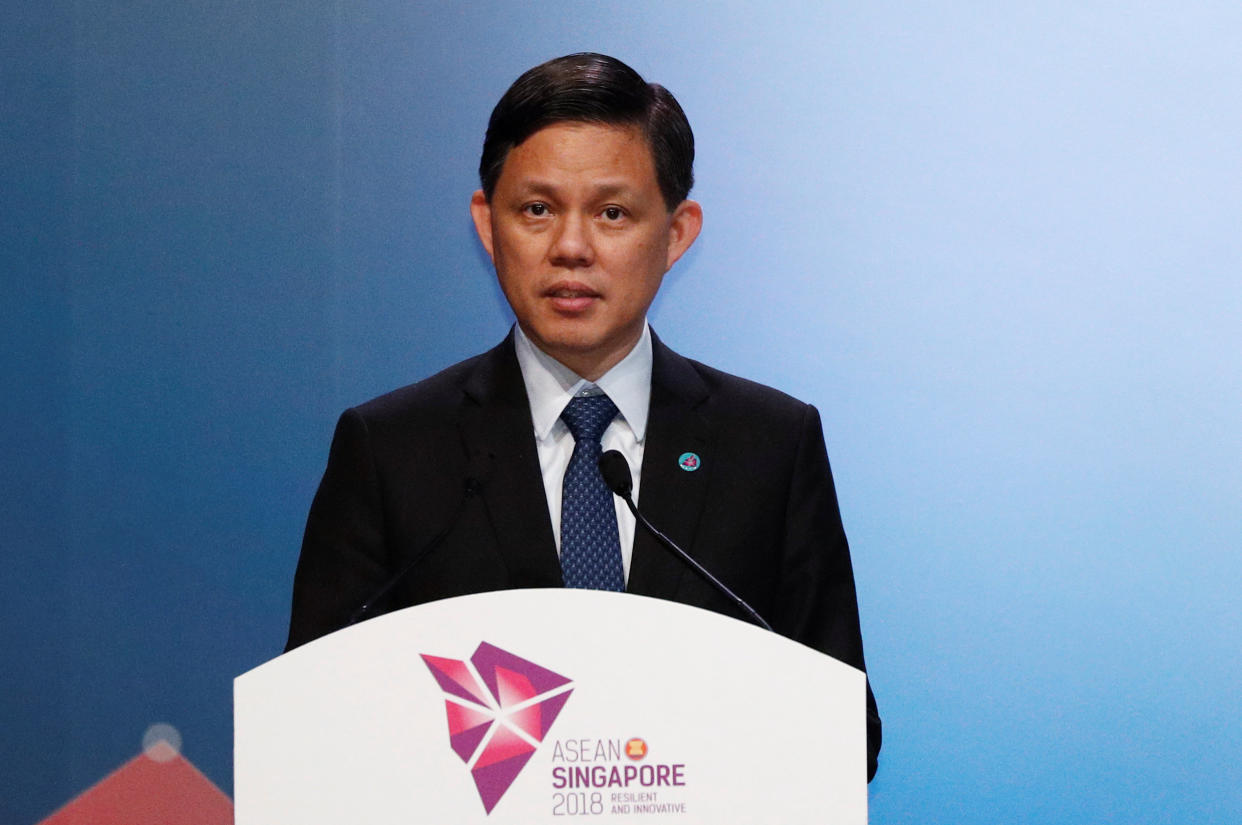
point(592, 88)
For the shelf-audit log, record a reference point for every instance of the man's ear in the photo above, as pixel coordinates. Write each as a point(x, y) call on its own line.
point(683, 228)
point(481, 212)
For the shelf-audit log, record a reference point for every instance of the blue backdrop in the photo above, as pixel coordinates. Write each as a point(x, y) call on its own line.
point(997, 246)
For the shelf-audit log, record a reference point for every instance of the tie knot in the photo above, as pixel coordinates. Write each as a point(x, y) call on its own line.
point(588, 416)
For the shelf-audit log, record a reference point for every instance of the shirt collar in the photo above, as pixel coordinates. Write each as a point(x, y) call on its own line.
point(550, 384)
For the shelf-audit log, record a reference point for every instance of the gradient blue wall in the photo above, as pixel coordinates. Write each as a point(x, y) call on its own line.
point(998, 247)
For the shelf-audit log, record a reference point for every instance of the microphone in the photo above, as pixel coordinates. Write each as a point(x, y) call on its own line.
point(616, 472)
point(480, 472)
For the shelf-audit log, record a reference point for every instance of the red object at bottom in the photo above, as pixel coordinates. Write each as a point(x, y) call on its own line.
point(154, 788)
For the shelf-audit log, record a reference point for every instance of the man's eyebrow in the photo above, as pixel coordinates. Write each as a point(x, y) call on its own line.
point(551, 189)
point(607, 190)
point(537, 187)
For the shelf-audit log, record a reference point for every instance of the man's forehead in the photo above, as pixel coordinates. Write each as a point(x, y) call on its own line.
point(605, 155)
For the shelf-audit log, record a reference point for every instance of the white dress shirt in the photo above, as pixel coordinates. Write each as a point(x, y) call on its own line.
point(550, 385)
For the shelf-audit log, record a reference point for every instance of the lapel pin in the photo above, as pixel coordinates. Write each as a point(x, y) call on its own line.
point(688, 462)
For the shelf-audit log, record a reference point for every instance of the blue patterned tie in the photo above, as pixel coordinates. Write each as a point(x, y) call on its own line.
point(590, 549)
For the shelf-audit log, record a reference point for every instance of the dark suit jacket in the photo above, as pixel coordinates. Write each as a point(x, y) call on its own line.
point(457, 453)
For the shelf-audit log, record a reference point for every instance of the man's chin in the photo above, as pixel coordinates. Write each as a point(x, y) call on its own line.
point(589, 356)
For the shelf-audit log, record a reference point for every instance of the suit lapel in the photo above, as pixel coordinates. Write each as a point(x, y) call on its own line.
point(671, 498)
point(499, 438)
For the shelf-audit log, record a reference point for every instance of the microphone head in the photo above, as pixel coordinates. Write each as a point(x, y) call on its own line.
point(616, 472)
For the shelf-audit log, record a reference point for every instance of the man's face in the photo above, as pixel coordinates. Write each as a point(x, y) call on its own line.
point(581, 238)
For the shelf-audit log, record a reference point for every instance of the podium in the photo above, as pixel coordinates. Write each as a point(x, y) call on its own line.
point(569, 706)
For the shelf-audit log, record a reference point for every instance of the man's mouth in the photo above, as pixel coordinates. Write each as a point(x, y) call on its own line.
point(571, 297)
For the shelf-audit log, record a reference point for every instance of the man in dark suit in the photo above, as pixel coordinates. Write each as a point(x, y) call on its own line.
point(453, 485)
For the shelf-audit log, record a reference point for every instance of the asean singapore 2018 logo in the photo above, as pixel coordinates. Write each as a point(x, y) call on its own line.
point(499, 707)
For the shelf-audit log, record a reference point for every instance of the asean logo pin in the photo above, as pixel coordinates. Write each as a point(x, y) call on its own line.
point(636, 749)
point(688, 462)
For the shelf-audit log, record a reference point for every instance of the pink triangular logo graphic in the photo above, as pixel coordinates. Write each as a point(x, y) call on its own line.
point(454, 678)
point(499, 708)
point(550, 709)
point(493, 780)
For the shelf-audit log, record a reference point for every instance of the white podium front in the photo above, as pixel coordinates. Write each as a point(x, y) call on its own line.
point(560, 705)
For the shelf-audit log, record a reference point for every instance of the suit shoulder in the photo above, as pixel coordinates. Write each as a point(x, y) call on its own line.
point(750, 396)
point(431, 398)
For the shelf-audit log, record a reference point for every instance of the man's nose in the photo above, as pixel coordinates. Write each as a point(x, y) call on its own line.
point(572, 244)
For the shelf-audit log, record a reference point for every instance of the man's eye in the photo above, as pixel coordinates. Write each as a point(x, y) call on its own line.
point(613, 213)
point(537, 209)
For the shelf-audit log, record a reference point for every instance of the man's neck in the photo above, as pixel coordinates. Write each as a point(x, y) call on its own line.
point(549, 383)
point(589, 367)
